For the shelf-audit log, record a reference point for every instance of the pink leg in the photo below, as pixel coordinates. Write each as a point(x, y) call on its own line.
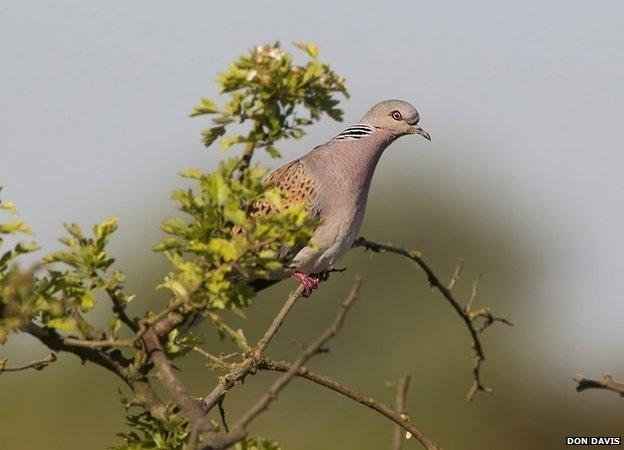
point(310, 282)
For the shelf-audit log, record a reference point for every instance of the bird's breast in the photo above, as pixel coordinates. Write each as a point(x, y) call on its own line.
point(333, 237)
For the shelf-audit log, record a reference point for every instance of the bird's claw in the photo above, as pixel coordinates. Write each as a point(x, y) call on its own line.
point(309, 282)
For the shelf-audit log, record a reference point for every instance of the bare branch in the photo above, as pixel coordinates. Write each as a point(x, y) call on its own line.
point(304, 372)
point(239, 430)
point(170, 380)
point(606, 383)
point(110, 359)
point(37, 365)
point(221, 362)
point(466, 314)
point(456, 274)
point(241, 370)
point(113, 361)
point(400, 406)
point(307, 353)
point(279, 320)
point(140, 329)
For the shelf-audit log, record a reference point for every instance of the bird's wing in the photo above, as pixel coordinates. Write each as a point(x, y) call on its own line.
point(301, 186)
point(296, 181)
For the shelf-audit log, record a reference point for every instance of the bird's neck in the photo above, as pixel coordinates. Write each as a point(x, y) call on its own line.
point(355, 162)
point(363, 155)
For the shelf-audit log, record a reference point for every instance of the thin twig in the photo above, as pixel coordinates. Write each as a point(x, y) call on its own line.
point(264, 402)
point(239, 430)
point(119, 309)
point(456, 274)
point(605, 383)
point(241, 370)
point(37, 365)
point(387, 411)
point(473, 294)
point(279, 320)
point(466, 314)
point(115, 362)
point(139, 329)
point(111, 359)
point(400, 405)
point(217, 361)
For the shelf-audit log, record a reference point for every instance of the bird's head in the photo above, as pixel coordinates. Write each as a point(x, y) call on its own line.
point(395, 116)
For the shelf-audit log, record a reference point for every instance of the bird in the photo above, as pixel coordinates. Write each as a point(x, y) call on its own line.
point(333, 181)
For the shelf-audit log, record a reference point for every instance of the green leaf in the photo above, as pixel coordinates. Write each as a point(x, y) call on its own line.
point(272, 151)
point(14, 226)
point(8, 207)
point(104, 229)
point(66, 324)
point(174, 225)
point(26, 247)
point(194, 174)
point(87, 301)
point(310, 49)
point(229, 141)
point(206, 107)
point(114, 324)
point(225, 248)
point(217, 189)
point(74, 230)
point(212, 134)
point(169, 243)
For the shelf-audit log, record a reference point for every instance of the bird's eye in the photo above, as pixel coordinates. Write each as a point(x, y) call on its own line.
point(396, 115)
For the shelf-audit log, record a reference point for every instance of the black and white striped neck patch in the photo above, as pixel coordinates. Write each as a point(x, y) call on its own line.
point(355, 132)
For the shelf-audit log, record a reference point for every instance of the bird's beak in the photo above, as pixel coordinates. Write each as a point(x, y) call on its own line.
point(417, 130)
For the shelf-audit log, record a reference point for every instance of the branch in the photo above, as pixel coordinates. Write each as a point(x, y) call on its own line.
point(110, 359)
point(37, 365)
point(119, 309)
point(170, 380)
point(278, 321)
point(167, 315)
point(314, 348)
point(239, 430)
point(240, 371)
point(606, 383)
point(246, 157)
point(113, 361)
point(467, 314)
point(396, 417)
point(400, 406)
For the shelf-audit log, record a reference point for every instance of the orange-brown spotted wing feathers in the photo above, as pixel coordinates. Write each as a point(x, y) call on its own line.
point(293, 179)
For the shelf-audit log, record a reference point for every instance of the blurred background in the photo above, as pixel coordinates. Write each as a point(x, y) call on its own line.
point(523, 179)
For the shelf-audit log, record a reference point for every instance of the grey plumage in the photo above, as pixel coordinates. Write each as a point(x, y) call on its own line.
point(334, 179)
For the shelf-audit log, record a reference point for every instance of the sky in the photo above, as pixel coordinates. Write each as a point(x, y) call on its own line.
point(523, 104)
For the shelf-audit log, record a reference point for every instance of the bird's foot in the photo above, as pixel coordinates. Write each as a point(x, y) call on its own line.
point(310, 282)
